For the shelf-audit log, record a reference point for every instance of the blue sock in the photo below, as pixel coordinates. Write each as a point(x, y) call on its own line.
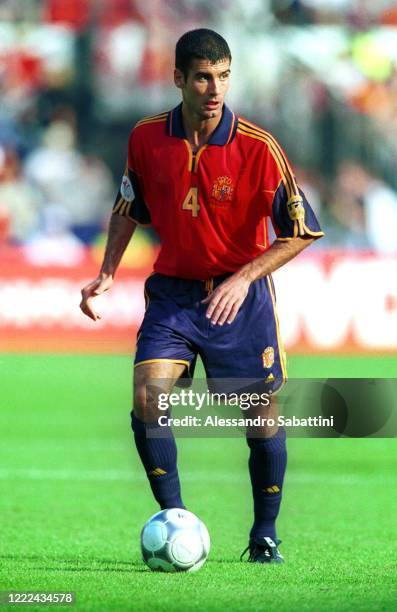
point(157, 450)
point(267, 463)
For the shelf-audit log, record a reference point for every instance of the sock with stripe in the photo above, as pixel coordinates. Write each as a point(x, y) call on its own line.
point(157, 449)
point(267, 464)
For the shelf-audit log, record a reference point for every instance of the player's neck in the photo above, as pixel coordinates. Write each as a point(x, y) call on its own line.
point(198, 131)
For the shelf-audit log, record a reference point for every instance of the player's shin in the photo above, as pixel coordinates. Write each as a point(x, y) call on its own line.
point(157, 449)
point(267, 464)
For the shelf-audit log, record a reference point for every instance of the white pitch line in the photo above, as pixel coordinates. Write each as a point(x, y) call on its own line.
point(200, 476)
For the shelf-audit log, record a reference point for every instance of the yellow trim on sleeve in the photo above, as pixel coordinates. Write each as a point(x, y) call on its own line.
point(278, 157)
point(252, 131)
point(123, 208)
point(117, 206)
point(311, 233)
point(270, 137)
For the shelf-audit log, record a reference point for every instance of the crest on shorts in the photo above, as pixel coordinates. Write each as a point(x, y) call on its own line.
point(268, 357)
point(126, 189)
point(295, 208)
point(222, 189)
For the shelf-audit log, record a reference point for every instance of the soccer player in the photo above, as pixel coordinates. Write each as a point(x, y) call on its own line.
point(207, 181)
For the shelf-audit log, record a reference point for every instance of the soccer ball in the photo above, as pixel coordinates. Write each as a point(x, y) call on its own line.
point(175, 540)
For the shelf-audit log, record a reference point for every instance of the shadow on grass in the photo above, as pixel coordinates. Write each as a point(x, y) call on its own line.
point(88, 564)
point(85, 564)
point(81, 568)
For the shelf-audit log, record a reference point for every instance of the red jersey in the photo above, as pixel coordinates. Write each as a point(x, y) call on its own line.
point(210, 209)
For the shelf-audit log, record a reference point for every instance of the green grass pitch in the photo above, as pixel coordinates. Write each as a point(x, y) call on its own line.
point(73, 499)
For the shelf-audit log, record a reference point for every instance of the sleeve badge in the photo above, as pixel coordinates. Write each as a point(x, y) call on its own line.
point(295, 208)
point(126, 189)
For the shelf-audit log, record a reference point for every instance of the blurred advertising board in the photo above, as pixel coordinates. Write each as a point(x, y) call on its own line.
point(328, 302)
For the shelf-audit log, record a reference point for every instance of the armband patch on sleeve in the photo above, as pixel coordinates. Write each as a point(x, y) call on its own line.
point(292, 216)
point(296, 210)
point(126, 189)
point(129, 200)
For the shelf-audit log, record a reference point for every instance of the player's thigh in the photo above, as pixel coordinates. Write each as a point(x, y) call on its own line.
point(250, 349)
point(151, 379)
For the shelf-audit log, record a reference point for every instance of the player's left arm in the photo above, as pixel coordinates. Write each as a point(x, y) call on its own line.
point(295, 225)
point(224, 303)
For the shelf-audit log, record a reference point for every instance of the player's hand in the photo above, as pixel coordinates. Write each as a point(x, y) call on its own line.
point(224, 303)
point(96, 287)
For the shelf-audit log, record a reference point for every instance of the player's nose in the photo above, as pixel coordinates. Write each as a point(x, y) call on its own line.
point(214, 87)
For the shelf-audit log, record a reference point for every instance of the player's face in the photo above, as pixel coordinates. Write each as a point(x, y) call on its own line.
point(204, 89)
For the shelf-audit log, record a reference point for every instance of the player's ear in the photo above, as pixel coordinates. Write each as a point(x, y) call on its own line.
point(179, 78)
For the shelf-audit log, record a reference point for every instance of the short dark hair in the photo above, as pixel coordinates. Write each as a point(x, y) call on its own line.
point(200, 44)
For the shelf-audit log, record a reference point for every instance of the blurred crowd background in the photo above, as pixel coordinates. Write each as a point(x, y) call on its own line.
point(75, 75)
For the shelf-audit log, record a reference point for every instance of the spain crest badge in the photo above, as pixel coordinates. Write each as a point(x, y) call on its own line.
point(222, 189)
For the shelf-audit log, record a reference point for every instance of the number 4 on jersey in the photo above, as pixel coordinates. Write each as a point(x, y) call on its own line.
point(191, 202)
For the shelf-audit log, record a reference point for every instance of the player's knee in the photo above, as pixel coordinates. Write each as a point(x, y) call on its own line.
point(140, 398)
point(267, 428)
point(145, 405)
point(271, 429)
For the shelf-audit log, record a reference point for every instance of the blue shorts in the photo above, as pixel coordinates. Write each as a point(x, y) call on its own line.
point(175, 329)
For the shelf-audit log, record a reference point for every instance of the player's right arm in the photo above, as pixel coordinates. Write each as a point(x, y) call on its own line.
point(120, 232)
point(129, 210)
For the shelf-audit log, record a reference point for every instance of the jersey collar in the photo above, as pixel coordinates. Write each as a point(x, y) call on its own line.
point(224, 133)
